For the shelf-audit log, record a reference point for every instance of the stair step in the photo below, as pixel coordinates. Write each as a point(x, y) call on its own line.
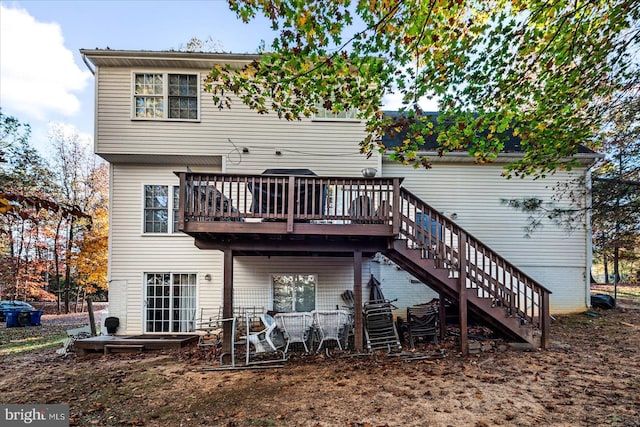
point(108, 348)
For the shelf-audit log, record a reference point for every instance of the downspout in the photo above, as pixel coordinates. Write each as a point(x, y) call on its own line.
point(92, 70)
point(88, 64)
point(589, 237)
point(588, 227)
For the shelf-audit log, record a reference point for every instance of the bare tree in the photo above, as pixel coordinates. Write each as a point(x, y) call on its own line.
point(74, 166)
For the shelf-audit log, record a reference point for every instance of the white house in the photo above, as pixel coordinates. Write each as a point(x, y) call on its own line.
point(155, 126)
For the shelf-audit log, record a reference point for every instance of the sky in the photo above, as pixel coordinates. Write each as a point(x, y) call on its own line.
point(43, 79)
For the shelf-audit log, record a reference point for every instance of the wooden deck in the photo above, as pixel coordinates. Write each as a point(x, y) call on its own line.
point(274, 214)
point(121, 343)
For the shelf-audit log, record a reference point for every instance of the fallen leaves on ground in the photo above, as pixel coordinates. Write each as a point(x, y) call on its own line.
point(588, 377)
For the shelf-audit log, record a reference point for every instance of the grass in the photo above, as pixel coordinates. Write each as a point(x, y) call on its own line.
point(20, 340)
point(625, 292)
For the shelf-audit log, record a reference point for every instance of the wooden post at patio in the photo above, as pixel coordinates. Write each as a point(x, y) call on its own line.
point(462, 293)
point(227, 301)
point(92, 320)
point(357, 300)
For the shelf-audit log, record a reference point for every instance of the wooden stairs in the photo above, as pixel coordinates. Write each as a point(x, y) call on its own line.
point(458, 266)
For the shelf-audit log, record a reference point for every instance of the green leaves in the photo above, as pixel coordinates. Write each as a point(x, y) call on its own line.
point(541, 71)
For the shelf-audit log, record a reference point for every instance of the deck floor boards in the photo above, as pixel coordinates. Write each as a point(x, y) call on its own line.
point(148, 342)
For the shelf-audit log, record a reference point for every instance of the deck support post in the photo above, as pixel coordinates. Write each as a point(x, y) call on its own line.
point(227, 301)
point(291, 196)
point(395, 207)
point(358, 337)
point(546, 323)
point(462, 292)
point(182, 200)
point(442, 312)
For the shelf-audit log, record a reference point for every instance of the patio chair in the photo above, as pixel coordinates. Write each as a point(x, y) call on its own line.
point(380, 331)
point(263, 340)
point(361, 208)
point(296, 328)
point(332, 325)
point(422, 322)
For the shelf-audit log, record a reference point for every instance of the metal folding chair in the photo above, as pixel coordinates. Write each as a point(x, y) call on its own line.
point(422, 321)
point(380, 332)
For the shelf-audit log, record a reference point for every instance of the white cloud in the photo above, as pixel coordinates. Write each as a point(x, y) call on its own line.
point(69, 131)
point(38, 76)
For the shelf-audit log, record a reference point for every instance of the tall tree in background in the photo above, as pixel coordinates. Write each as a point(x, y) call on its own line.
point(76, 175)
point(90, 261)
point(24, 183)
point(196, 44)
point(541, 71)
point(616, 188)
point(46, 218)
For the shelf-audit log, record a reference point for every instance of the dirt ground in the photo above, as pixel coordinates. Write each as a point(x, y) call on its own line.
point(590, 377)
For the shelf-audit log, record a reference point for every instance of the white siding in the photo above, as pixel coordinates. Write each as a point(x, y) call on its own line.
point(134, 253)
point(118, 303)
point(327, 147)
point(401, 287)
point(252, 278)
point(553, 256)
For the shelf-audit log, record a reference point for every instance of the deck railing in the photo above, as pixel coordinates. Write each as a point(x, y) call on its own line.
point(485, 272)
point(338, 200)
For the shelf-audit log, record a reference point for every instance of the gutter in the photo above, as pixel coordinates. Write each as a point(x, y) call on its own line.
point(586, 159)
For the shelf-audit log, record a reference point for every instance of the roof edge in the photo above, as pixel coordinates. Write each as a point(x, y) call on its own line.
point(163, 54)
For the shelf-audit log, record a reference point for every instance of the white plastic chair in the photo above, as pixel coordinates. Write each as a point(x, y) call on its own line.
point(262, 340)
point(295, 327)
point(331, 325)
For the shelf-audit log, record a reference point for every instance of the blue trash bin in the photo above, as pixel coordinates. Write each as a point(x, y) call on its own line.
point(34, 317)
point(12, 318)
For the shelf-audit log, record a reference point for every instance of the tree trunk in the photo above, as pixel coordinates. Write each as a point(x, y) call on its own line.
point(605, 261)
point(18, 262)
point(616, 273)
point(67, 284)
point(80, 301)
point(56, 260)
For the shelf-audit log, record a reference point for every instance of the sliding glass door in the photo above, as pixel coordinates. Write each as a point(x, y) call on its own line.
point(170, 301)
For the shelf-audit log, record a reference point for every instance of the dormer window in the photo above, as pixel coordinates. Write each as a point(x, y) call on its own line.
point(165, 96)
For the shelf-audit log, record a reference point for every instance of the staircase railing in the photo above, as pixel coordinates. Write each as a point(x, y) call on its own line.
point(485, 272)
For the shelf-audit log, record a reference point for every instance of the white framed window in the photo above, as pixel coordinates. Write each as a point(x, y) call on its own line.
point(325, 114)
point(166, 96)
point(160, 214)
point(170, 302)
point(294, 292)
